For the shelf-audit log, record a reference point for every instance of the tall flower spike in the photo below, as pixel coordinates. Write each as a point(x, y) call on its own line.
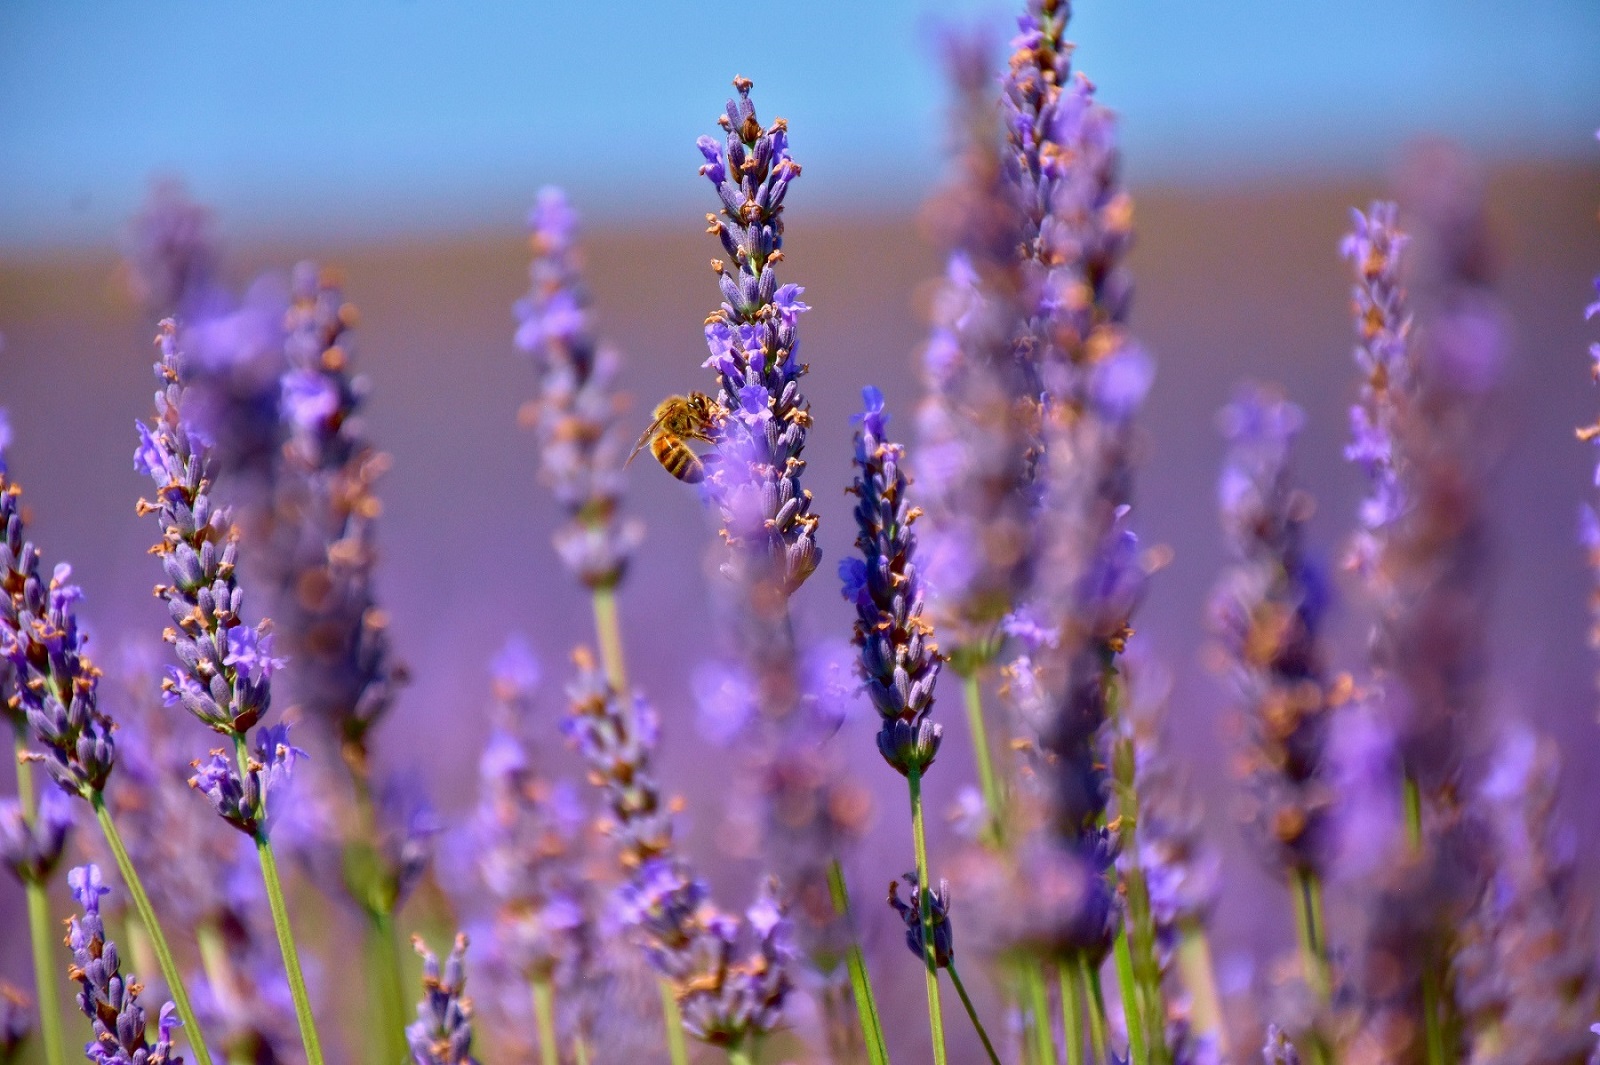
point(755, 479)
point(1265, 613)
point(944, 949)
point(898, 659)
point(442, 1032)
point(225, 665)
point(724, 999)
point(575, 414)
point(108, 998)
point(56, 685)
point(346, 675)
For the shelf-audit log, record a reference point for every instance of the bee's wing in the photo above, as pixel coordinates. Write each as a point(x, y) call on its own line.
point(644, 438)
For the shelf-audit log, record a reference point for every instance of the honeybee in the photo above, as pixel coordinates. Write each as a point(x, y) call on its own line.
point(678, 419)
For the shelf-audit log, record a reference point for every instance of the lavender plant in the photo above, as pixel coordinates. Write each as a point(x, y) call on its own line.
point(225, 664)
point(16, 1022)
point(442, 1032)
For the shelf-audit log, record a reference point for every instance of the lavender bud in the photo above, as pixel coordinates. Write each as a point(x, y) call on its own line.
point(944, 950)
point(442, 1032)
point(32, 847)
point(16, 1022)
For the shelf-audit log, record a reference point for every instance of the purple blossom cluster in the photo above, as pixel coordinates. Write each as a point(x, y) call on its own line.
point(442, 1032)
point(226, 665)
point(575, 414)
point(106, 996)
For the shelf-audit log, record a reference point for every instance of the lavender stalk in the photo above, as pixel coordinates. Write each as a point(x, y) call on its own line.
point(226, 665)
point(442, 1032)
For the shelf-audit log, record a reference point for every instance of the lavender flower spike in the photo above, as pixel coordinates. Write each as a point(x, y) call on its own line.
point(32, 848)
point(16, 1023)
point(442, 1032)
point(755, 478)
point(43, 648)
point(575, 414)
point(899, 660)
point(108, 998)
point(226, 665)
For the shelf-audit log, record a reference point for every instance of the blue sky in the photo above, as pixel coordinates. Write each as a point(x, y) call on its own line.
point(372, 117)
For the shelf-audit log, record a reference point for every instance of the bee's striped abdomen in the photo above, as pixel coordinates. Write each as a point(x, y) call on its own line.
point(676, 458)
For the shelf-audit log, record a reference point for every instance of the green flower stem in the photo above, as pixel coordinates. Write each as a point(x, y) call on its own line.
point(1413, 804)
point(544, 1012)
point(1308, 933)
point(1071, 1012)
point(1199, 978)
point(738, 1055)
point(158, 939)
point(1139, 919)
point(41, 933)
point(924, 895)
point(860, 980)
point(580, 1050)
point(1138, 1051)
point(672, 1017)
point(280, 923)
point(1044, 1041)
point(609, 634)
point(1432, 1005)
point(1099, 1043)
point(387, 993)
point(988, 780)
point(972, 1013)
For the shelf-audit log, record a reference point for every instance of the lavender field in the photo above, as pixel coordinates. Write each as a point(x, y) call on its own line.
point(1177, 597)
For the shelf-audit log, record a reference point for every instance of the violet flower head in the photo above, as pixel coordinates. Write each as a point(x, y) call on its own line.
point(16, 1022)
point(325, 522)
point(754, 477)
point(32, 847)
point(575, 414)
point(172, 254)
point(224, 676)
point(898, 659)
point(944, 947)
point(1266, 613)
point(56, 685)
point(1278, 1049)
point(442, 1032)
point(1374, 247)
point(107, 997)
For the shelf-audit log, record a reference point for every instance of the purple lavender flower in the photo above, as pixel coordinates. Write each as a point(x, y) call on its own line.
point(755, 478)
point(1266, 612)
point(224, 676)
point(32, 847)
point(442, 1032)
point(16, 1022)
point(1278, 1050)
point(944, 948)
point(56, 685)
point(324, 523)
point(899, 661)
point(108, 998)
point(689, 942)
point(172, 258)
point(575, 414)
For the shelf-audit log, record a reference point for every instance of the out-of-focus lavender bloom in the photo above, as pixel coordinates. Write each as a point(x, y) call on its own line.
point(1266, 612)
point(225, 673)
point(31, 847)
point(442, 1032)
point(108, 998)
point(1383, 323)
point(687, 940)
point(575, 414)
point(1589, 520)
point(172, 258)
point(525, 836)
point(1527, 979)
point(1278, 1050)
point(16, 1022)
point(346, 677)
point(944, 947)
point(755, 476)
point(56, 685)
point(899, 661)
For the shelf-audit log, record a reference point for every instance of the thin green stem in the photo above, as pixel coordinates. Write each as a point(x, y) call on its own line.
point(972, 1012)
point(672, 1018)
point(608, 631)
point(925, 897)
point(1071, 1012)
point(1432, 1002)
point(1138, 1050)
point(860, 980)
point(291, 955)
point(1198, 971)
point(1044, 1040)
point(1099, 1042)
point(1413, 803)
point(544, 1013)
point(988, 779)
point(580, 1050)
point(387, 993)
point(44, 973)
point(40, 932)
point(158, 939)
point(1308, 933)
point(738, 1055)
